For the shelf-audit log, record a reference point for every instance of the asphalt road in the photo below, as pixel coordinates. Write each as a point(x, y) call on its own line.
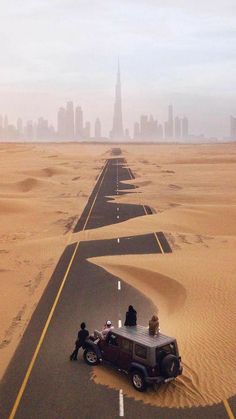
point(41, 382)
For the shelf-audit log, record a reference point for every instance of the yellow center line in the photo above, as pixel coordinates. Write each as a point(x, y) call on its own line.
point(46, 326)
point(228, 410)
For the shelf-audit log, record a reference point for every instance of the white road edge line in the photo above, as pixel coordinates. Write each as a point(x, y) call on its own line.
point(119, 323)
point(121, 403)
point(117, 209)
point(117, 216)
point(118, 240)
point(119, 285)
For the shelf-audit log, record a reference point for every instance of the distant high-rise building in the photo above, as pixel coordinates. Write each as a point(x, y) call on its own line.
point(117, 132)
point(136, 131)
point(61, 123)
point(144, 126)
point(185, 127)
point(233, 127)
point(177, 127)
point(97, 129)
point(147, 130)
point(170, 121)
point(19, 127)
point(70, 127)
point(87, 130)
point(42, 129)
point(78, 123)
point(166, 129)
point(169, 124)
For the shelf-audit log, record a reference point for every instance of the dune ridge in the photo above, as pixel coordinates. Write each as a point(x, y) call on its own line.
point(192, 191)
point(180, 295)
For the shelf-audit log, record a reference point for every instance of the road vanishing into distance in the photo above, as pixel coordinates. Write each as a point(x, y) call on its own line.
point(40, 381)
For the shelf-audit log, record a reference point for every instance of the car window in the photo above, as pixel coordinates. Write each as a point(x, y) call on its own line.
point(141, 351)
point(169, 349)
point(126, 345)
point(165, 350)
point(112, 340)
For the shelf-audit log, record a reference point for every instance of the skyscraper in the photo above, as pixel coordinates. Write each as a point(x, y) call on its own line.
point(70, 129)
point(177, 127)
point(170, 121)
point(117, 132)
point(78, 123)
point(97, 129)
point(61, 123)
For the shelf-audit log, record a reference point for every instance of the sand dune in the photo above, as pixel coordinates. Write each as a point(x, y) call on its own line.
point(192, 190)
point(27, 184)
point(39, 204)
point(47, 171)
point(195, 307)
point(11, 206)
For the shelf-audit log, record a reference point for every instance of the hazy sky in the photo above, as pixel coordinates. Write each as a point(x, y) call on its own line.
point(171, 51)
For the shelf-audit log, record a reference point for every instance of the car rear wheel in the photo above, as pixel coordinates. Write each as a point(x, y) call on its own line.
point(170, 366)
point(138, 381)
point(91, 357)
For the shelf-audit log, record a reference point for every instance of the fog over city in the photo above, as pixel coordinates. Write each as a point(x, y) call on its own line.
point(179, 53)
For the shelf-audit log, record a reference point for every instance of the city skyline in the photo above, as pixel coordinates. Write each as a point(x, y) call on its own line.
point(170, 52)
point(72, 127)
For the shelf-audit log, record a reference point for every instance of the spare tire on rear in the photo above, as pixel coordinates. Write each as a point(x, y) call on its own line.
point(169, 366)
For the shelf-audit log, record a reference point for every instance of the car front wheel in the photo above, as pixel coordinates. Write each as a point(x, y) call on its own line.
point(91, 357)
point(138, 381)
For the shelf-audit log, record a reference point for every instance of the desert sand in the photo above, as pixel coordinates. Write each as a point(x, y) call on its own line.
point(191, 190)
point(43, 190)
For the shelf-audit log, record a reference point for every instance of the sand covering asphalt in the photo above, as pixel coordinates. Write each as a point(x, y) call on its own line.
point(192, 189)
point(43, 190)
point(194, 287)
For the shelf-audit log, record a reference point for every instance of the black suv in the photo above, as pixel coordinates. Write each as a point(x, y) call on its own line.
point(147, 359)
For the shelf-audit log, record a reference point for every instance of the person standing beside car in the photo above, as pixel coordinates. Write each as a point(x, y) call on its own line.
point(79, 343)
point(131, 317)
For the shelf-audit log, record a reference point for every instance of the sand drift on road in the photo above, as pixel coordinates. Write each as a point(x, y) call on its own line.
point(192, 191)
point(194, 287)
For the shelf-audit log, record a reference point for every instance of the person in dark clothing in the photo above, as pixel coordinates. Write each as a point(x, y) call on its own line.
point(131, 317)
point(79, 343)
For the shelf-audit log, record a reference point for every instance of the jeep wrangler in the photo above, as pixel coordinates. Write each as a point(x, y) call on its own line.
point(147, 359)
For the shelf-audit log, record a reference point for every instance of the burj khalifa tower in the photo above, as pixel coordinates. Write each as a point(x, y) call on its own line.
point(117, 132)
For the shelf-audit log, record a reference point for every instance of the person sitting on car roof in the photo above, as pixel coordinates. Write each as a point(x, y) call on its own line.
point(103, 333)
point(154, 325)
point(131, 317)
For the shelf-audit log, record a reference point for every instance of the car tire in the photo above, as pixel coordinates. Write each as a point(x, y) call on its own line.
point(91, 357)
point(138, 380)
point(170, 366)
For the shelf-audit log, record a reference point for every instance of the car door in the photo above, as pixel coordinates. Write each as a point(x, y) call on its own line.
point(110, 348)
point(126, 353)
